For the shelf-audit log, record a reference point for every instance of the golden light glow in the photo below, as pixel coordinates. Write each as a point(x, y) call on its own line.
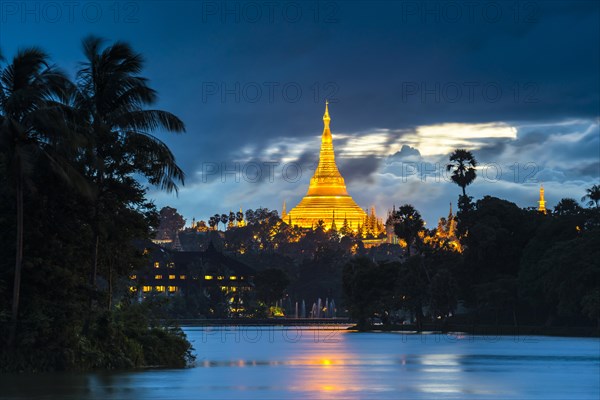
point(133, 277)
point(171, 276)
point(182, 277)
point(232, 278)
point(208, 277)
point(220, 277)
point(157, 265)
point(446, 234)
point(172, 289)
point(157, 276)
point(146, 289)
point(159, 288)
point(327, 198)
point(132, 289)
point(542, 201)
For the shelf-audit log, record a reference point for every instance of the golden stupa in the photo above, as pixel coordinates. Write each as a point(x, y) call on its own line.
point(542, 201)
point(327, 198)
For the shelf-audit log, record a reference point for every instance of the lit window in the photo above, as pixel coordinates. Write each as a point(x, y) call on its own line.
point(233, 289)
point(157, 276)
point(233, 278)
point(159, 288)
point(157, 265)
point(132, 289)
point(147, 288)
point(172, 289)
point(133, 277)
point(171, 265)
point(208, 277)
point(182, 277)
point(171, 276)
point(220, 277)
point(224, 288)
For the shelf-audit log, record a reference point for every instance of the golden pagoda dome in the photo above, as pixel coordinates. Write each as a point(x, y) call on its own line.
point(327, 196)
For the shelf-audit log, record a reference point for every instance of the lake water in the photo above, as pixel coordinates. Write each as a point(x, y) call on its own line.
point(290, 362)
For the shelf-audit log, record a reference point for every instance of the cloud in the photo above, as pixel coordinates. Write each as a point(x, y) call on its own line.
point(394, 79)
point(555, 154)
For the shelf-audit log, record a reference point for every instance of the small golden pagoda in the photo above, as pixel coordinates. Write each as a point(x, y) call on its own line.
point(542, 202)
point(327, 198)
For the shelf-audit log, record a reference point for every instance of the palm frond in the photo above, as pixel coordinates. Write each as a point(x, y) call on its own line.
point(155, 160)
point(150, 120)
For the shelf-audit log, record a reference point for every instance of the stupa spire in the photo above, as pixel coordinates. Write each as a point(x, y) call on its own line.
point(327, 179)
point(326, 118)
point(542, 201)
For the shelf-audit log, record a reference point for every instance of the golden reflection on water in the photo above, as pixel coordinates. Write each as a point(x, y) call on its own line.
point(345, 369)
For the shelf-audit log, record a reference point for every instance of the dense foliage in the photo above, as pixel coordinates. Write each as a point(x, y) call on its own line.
point(69, 157)
point(519, 267)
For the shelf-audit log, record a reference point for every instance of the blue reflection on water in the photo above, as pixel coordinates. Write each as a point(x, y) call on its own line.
point(289, 362)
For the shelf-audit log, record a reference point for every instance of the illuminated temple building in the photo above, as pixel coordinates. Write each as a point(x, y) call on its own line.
point(327, 198)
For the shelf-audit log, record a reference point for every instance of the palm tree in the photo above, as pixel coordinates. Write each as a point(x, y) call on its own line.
point(31, 125)
point(224, 218)
point(112, 100)
point(212, 222)
point(568, 206)
point(408, 224)
point(462, 164)
point(592, 196)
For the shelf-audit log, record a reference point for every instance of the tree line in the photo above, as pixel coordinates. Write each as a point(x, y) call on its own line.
point(76, 156)
point(517, 266)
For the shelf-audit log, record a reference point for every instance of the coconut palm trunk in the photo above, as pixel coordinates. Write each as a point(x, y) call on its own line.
point(31, 124)
point(18, 260)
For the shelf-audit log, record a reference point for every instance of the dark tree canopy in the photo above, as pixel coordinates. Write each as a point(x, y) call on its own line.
point(409, 224)
point(270, 285)
point(170, 223)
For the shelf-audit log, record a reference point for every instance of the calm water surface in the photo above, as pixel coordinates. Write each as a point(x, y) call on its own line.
point(290, 362)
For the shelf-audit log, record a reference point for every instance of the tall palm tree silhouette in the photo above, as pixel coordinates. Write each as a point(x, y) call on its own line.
point(462, 164)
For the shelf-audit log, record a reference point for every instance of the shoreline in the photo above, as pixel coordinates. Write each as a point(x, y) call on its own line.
point(487, 330)
point(427, 329)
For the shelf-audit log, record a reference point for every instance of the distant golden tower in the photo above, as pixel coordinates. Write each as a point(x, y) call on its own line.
point(542, 202)
point(327, 192)
point(284, 211)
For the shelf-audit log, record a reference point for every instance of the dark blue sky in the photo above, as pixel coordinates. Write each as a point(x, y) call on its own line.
point(516, 82)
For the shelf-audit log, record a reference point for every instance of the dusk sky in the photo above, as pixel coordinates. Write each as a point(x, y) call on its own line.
point(516, 82)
